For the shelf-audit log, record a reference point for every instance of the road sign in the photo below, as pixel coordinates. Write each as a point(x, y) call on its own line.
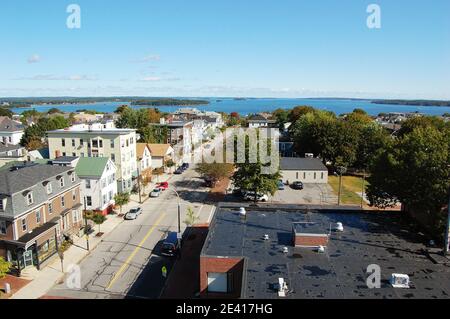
point(179, 236)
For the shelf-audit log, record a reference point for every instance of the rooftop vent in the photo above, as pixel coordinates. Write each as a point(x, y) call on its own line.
point(242, 212)
point(339, 227)
point(282, 288)
point(285, 250)
point(399, 281)
point(321, 249)
point(266, 237)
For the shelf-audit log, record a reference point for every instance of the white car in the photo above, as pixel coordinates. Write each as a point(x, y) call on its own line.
point(156, 192)
point(133, 213)
point(250, 196)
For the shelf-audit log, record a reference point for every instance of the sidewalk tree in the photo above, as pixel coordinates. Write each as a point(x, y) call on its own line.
point(214, 172)
point(191, 217)
point(5, 267)
point(121, 199)
point(98, 219)
point(170, 163)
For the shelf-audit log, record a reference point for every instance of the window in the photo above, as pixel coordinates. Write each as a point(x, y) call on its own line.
point(322, 175)
point(217, 282)
point(61, 182)
point(112, 144)
point(131, 140)
point(110, 195)
point(24, 224)
point(74, 154)
point(2, 204)
point(10, 139)
point(63, 202)
point(64, 154)
point(49, 188)
point(95, 143)
point(38, 216)
point(72, 177)
point(128, 143)
point(304, 175)
point(100, 143)
point(296, 175)
point(81, 142)
point(88, 184)
point(103, 183)
point(30, 198)
point(2, 227)
point(81, 154)
point(50, 208)
point(105, 199)
point(63, 142)
point(88, 200)
point(315, 175)
point(74, 196)
point(73, 142)
point(113, 158)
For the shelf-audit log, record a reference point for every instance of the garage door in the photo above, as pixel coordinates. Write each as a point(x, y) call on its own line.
point(217, 282)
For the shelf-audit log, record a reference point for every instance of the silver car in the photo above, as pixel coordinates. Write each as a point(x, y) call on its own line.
point(133, 213)
point(156, 192)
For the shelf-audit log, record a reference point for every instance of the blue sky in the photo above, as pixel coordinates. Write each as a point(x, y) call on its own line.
point(264, 48)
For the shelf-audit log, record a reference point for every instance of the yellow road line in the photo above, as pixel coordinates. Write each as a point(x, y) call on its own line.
point(122, 268)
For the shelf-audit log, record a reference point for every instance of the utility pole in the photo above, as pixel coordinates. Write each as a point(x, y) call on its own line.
point(139, 183)
point(86, 231)
point(341, 170)
point(363, 189)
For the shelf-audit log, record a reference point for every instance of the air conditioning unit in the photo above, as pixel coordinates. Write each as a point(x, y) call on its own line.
point(339, 227)
point(321, 250)
point(400, 281)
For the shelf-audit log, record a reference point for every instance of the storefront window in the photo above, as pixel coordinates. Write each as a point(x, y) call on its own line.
point(46, 250)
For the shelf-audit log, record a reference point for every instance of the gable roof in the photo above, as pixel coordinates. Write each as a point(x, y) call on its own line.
point(158, 150)
point(301, 164)
point(8, 125)
point(140, 148)
point(27, 175)
point(91, 166)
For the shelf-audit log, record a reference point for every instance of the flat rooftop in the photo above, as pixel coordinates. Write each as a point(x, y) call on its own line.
point(383, 238)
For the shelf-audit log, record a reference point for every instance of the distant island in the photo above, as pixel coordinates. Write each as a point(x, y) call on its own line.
point(140, 101)
point(413, 102)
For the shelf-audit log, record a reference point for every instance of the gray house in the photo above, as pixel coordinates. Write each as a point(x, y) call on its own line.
point(303, 169)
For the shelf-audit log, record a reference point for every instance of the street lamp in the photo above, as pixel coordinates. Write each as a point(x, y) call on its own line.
point(179, 217)
point(341, 170)
point(86, 231)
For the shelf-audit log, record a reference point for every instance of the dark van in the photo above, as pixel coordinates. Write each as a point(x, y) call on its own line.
point(170, 245)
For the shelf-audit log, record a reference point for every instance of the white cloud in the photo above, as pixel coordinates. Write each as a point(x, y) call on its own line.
point(148, 58)
point(52, 77)
point(151, 79)
point(35, 58)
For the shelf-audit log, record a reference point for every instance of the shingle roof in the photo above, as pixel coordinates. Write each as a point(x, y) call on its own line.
point(27, 175)
point(8, 125)
point(91, 166)
point(140, 147)
point(9, 147)
point(301, 164)
point(158, 150)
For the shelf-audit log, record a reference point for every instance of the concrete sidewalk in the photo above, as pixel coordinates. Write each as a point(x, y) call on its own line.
point(43, 280)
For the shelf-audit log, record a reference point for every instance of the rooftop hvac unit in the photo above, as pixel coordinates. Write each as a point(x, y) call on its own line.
point(282, 287)
point(266, 237)
point(242, 211)
point(339, 227)
point(321, 249)
point(285, 250)
point(400, 281)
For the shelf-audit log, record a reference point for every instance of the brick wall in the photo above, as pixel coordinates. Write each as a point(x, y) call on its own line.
point(221, 265)
point(308, 241)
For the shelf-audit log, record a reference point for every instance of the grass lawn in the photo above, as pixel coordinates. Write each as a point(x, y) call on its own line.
point(350, 185)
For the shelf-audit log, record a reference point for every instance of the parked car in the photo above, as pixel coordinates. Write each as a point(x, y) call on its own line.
point(170, 245)
point(250, 196)
point(179, 171)
point(163, 185)
point(156, 192)
point(297, 185)
point(133, 213)
point(185, 166)
point(280, 185)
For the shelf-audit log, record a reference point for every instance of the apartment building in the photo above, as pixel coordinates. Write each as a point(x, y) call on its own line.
point(117, 144)
point(11, 131)
point(98, 183)
point(39, 207)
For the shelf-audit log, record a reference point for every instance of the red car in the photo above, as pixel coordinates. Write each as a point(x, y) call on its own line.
point(163, 185)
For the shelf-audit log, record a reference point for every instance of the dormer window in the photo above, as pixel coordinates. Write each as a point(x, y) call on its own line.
point(2, 204)
point(49, 188)
point(30, 198)
point(72, 178)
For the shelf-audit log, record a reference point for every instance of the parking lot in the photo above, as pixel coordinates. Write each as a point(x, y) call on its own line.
point(318, 194)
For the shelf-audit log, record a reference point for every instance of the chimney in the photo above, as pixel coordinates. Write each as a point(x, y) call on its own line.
point(57, 153)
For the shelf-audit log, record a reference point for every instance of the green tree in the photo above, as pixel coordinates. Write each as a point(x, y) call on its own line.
point(121, 199)
point(214, 171)
point(249, 175)
point(191, 217)
point(6, 112)
point(298, 111)
point(98, 219)
point(43, 125)
point(422, 122)
point(282, 117)
point(5, 267)
point(414, 170)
